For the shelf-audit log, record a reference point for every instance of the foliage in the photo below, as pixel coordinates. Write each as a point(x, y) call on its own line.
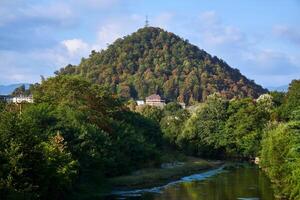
point(151, 112)
point(202, 133)
point(222, 128)
point(277, 97)
point(32, 160)
point(172, 122)
point(280, 157)
point(74, 129)
point(154, 61)
point(292, 100)
point(244, 126)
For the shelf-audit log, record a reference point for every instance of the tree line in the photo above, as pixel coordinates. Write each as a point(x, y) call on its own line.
point(75, 130)
point(77, 133)
point(241, 128)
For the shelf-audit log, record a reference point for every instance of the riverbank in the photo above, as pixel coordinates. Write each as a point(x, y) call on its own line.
point(234, 181)
point(158, 176)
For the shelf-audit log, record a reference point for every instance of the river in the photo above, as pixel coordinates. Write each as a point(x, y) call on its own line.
point(243, 182)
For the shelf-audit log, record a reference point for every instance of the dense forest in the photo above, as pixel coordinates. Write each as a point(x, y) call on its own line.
point(154, 61)
point(84, 126)
point(74, 129)
point(76, 134)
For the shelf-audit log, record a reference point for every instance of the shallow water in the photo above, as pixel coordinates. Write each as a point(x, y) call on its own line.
point(241, 183)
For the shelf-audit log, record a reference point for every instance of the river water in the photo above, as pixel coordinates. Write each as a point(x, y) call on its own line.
point(243, 182)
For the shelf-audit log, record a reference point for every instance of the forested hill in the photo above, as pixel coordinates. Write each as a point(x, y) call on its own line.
point(152, 60)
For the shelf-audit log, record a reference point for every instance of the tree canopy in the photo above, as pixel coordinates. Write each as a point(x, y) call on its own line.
point(152, 60)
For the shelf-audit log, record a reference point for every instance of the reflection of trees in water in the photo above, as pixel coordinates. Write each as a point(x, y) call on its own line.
point(241, 182)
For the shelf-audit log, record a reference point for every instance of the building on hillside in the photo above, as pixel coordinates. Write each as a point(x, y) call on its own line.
point(140, 102)
point(22, 98)
point(155, 100)
point(18, 99)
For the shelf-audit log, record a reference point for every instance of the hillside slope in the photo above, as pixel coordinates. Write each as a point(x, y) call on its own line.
point(152, 60)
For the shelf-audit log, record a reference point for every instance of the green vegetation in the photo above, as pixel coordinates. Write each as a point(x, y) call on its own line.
point(74, 129)
point(280, 155)
point(152, 61)
point(77, 137)
point(84, 130)
point(224, 129)
point(158, 176)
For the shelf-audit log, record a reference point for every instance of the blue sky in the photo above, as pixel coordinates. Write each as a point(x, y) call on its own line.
point(260, 38)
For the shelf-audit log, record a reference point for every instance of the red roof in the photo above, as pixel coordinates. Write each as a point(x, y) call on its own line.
point(153, 97)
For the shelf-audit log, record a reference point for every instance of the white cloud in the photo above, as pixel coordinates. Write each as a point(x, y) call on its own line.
point(34, 13)
point(209, 18)
point(108, 33)
point(289, 33)
point(113, 29)
point(56, 11)
point(31, 64)
point(75, 46)
point(267, 66)
point(215, 33)
point(270, 62)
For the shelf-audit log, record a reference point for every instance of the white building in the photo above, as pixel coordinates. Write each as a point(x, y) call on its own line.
point(21, 99)
point(140, 102)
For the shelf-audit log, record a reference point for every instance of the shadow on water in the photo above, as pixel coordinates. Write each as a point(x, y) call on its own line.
point(241, 183)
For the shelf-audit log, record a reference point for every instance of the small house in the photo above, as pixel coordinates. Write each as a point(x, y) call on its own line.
point(155, 100)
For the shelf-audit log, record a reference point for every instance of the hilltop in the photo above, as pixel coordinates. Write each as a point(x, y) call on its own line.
point(153, 60)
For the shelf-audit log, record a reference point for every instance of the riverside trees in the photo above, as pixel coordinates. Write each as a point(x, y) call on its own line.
point(73, 129)
point(77, 129)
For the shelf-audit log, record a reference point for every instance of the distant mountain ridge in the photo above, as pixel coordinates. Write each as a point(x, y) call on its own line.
point(8, 89)
point(282, 88)
point(154, 61)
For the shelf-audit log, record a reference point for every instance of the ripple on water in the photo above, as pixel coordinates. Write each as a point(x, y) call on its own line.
point(194, 177)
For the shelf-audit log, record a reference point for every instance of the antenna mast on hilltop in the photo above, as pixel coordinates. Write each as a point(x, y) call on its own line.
point(147, 21)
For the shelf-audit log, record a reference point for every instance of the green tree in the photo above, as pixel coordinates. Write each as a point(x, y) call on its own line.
point(172, 122)
point(202, 133)
point(32, 163)
point(292, 99)
point(280, 157)
point(243, 129)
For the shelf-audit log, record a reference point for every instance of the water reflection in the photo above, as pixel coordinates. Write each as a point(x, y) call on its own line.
point(243, 183)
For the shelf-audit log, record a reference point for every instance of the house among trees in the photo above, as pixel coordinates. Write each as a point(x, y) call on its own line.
point(155, 100)
point(16, 99)
point(22, 98)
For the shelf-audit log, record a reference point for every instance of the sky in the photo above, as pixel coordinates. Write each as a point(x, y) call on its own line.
point(261, 38)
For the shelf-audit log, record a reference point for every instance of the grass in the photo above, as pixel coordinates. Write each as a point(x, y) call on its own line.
point(158, 176)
